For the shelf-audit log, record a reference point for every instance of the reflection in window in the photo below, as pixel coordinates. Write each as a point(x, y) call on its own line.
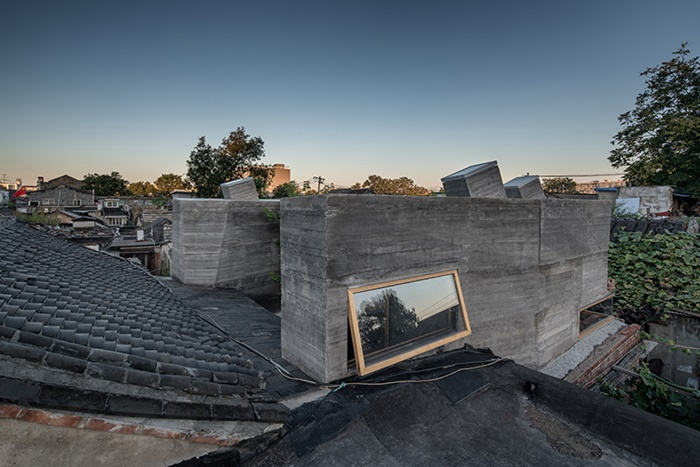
point(396, 320)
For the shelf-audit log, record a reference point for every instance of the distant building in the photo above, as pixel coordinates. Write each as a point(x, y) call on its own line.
point(9, 186)
point(282, 175)
point(63, 180)
point(60, 192)
point(590, 187)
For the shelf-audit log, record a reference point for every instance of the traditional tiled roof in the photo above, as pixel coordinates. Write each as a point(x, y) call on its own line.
point(76, 319)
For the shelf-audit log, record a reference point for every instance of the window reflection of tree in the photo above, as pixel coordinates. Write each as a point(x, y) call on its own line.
point(385, 321)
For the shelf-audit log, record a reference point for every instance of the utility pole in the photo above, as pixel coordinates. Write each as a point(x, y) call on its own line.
point(320, 181)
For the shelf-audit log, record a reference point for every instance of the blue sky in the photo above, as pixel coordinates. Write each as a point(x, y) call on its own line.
point(337, 89)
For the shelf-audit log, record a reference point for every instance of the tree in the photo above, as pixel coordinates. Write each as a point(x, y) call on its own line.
point(106, 185)
point(385, 320)
point(262, 176)
point(392, 186)
point(559, 185)
point(142, 189)
point(286, 190)
point(659, 143)
point(167, 183)
point(236, 157)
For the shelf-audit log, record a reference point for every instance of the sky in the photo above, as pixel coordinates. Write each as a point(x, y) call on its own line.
point(336, 89)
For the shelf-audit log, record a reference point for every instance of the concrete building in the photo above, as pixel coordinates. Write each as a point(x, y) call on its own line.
point(227, 243)
point(526, 268)
point(590, 187)
point(282, 175)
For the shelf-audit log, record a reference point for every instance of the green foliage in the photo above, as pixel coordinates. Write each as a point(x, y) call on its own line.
point(661, 271)
point(106, 185)
point(160, 200)
point(671, 344)
point(167, 183)
point(287, 190)
point(392, 186)
point(385, 320)
point(659, 143)
point(272, 216)
point(274, 277)
point(654, 395)
point(262, 176)
point(559, 185)
point(39, 218)
point(142, 189)
point(236, 157)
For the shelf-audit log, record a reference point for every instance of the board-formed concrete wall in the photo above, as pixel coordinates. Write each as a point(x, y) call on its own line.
point(226, 243)
point(476, 181)
point(525, 267)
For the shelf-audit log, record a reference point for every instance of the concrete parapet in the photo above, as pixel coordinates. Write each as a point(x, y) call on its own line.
point(226, 243)
point(524, 271)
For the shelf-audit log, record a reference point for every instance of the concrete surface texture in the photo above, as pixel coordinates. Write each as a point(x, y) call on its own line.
point(581, 350)
point(476, 181)
point(226, 243)
point(527, 187)
point(242, 189)
point(683, 328)
point(652, 199)
point(526, 267)
point(59, 446)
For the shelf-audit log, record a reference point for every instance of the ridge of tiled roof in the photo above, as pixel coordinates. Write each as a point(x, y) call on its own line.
point(68, 310)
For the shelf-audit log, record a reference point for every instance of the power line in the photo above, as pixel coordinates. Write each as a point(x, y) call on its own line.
point(579, 176)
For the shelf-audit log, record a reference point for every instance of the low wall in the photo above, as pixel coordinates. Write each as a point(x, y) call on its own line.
point(226, 243)
point(525, 266)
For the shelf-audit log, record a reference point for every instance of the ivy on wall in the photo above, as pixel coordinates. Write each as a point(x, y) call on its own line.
point(660, 272)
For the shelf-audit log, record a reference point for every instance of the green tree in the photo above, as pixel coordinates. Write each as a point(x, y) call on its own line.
point(392, 186)
point(106, 185)
point(236, 157)
point(286, 190)
point(559, 185)
point(142, 189)
point(385, 320)
point(262, 176)
point(167, 183)
point(659, 143)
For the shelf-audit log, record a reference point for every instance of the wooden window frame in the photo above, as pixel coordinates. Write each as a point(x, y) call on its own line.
point(600, 323)
point(361, 366)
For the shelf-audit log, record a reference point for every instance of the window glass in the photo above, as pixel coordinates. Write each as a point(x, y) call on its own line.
point(595, 315)
point(395, 320)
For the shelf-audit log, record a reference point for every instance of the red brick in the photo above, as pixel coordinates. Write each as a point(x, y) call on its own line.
point(36, 416)
point(50, 418)
point(208, 438)
point(9, 411)
point(97, 424)
point(163, 433)
point(126, 429)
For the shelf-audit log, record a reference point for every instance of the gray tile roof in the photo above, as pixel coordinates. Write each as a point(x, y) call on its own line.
point(67, 309)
